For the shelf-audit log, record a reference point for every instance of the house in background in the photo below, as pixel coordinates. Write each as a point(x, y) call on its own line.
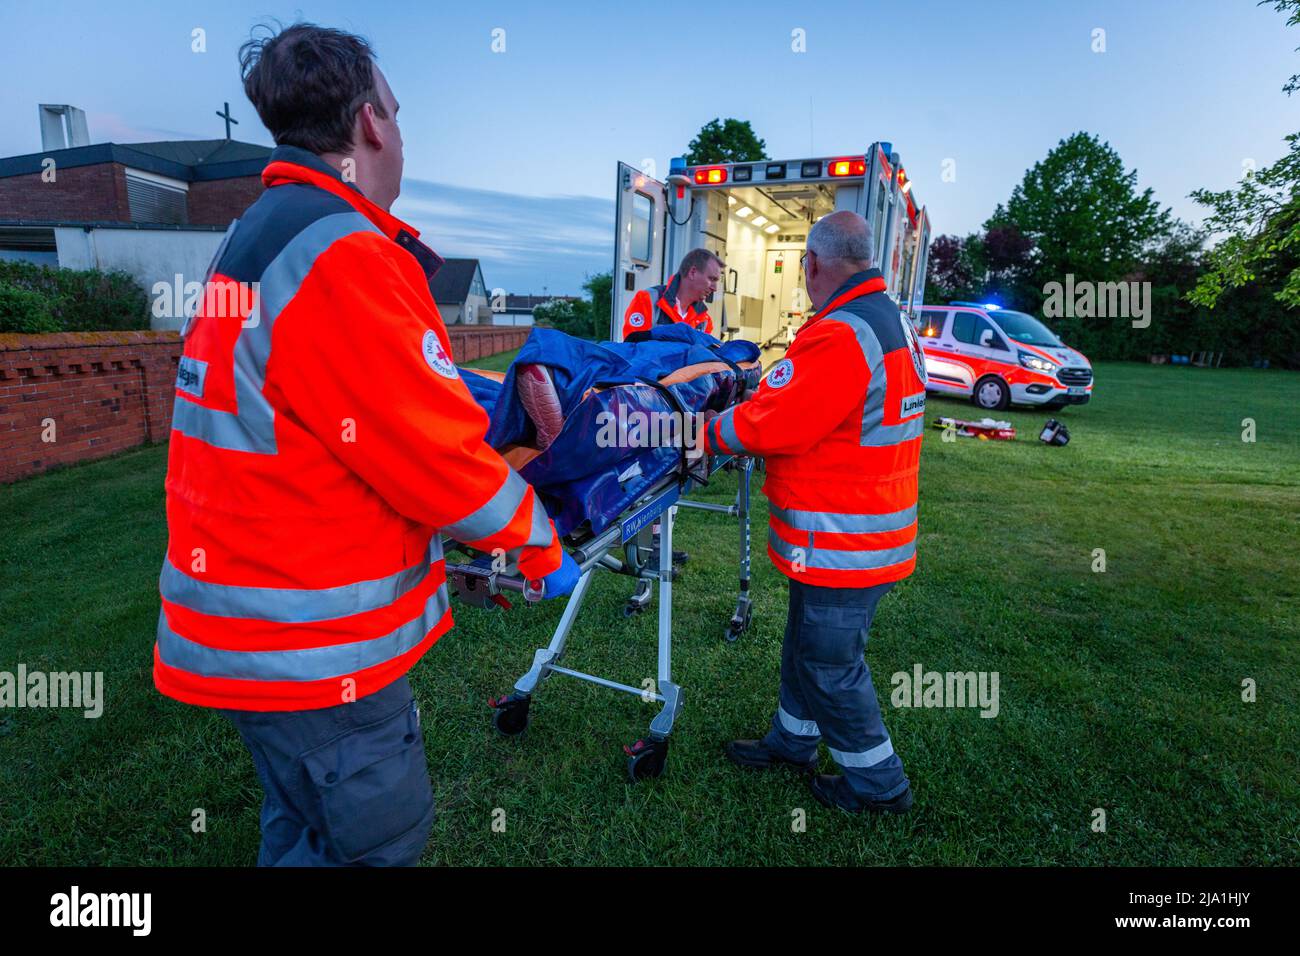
point(460, 293)
point(518, 309)
point(154, 210)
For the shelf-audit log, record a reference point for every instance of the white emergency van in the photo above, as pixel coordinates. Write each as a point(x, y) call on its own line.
point(756, 217)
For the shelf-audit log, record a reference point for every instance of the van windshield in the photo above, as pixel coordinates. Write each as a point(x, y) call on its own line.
point(1025, 328)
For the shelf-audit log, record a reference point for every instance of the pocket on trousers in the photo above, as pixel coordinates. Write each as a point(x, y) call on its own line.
point(832, 633)
point(373, 783)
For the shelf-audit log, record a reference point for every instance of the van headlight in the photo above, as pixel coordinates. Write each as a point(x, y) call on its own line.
point(1037, 363)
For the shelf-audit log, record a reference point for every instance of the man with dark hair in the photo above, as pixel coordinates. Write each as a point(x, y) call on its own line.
point(322, 443)
point(681, 300)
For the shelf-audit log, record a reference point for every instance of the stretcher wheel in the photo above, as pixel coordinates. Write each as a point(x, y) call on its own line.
point(510, 715)
point(738, 624)
point(629, 609)
point(646, 759)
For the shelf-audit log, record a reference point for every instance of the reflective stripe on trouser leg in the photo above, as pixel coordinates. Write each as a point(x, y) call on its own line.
point(794, 733)
point(836, 685)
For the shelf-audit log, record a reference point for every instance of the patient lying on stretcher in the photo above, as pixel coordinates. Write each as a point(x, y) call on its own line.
point(578, 420)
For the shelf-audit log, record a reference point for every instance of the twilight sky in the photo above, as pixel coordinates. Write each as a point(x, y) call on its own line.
point(510, 156)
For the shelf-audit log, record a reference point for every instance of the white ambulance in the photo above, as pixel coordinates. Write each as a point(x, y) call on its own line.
point(756, 217)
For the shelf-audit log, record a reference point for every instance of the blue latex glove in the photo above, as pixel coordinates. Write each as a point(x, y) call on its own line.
point(563, 579)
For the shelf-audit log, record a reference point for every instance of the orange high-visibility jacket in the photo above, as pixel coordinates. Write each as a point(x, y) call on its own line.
point(320, 442)
point(657, 305)
point(839, 421)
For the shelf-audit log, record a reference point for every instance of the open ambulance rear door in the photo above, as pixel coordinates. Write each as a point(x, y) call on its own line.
point(640, 209)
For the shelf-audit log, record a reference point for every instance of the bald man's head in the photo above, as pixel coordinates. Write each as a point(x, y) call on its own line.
point(842, 235)
point(839, 247)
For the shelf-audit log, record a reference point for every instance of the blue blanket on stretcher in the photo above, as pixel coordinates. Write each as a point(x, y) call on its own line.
point(583, 477)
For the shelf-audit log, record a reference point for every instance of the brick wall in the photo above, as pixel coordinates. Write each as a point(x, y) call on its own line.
point(103, 392)
point(98, 194)
point(469, 343)
point(80, 194)
point(109, 391)
point(216, 202)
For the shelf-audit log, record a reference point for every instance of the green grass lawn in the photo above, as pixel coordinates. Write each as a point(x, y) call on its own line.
point(1119, 690)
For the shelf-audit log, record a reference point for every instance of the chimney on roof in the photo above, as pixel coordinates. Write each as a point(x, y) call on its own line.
point(62, 126)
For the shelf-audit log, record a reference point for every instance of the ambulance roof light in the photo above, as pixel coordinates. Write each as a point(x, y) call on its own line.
point(710, 175)
point(853, 166)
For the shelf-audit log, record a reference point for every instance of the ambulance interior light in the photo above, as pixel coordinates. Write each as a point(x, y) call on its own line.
point(759, 220)
point(743, 211)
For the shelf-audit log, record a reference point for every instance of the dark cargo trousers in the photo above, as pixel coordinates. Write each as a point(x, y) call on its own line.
point(826, 689)
point(345, 785)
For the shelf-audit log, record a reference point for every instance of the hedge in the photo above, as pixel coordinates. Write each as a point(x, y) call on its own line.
point(74, 300)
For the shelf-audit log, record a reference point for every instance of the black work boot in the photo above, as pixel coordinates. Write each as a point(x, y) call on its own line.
point(755, 753)
point(832, 790)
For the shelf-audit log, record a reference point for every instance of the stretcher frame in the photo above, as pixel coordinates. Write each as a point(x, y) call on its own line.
point(478, 583)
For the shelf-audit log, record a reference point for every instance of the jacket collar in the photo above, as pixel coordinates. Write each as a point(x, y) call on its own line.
point(292, 164)
point(669, 299)
point(850, 290)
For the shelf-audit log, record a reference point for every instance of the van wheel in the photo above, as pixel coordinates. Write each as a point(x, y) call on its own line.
point(991, 394)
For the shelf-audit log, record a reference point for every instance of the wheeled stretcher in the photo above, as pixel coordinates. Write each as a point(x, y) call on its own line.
point(626, 547)
point(615, 511)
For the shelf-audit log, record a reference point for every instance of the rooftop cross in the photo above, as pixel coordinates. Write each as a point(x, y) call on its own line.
point(228, 118)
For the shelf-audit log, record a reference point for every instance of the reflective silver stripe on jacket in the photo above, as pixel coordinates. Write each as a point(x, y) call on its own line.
point(843, 522)
point(306, 664)
point(251, 427)
point(727, 431)
point(874, 432)
point(834, 559)
point(500, 510)
point(292, 605)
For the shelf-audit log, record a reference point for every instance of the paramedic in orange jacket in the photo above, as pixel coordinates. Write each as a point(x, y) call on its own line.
point(322, 442)
point(839, 421)
point(681, 300)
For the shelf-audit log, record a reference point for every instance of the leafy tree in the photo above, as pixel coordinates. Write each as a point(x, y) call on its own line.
point(1005, 256)
point(1256, 264)
point(568, 315)
point(1260, 219)
point(1083, 214)
point(1293, 7)
point(601, 289)
point(725, 141)
point(955, 269)
point(1261, 222)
